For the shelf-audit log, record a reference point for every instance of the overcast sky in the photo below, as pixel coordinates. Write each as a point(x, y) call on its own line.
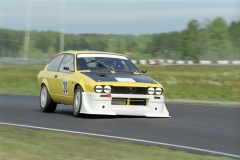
point(113, 16)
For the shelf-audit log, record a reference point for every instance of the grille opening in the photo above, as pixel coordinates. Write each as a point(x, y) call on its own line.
point(129, 101)
point(129, 90)
point(119, 101)
point(137, 101)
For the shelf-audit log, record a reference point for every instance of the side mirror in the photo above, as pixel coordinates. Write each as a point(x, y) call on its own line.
point(66, 68)
point(144, 71)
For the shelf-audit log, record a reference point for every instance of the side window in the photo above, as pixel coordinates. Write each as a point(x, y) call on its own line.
point(55, 63)
point(67, 62)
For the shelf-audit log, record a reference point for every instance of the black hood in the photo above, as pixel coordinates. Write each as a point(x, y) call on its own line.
point(115, 77)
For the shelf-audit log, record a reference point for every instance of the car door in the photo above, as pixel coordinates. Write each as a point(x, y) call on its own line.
point(52, 71)
point(63, 86)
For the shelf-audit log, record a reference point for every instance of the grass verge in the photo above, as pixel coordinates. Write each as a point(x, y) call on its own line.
point(219, 83)
point(24, 143)
point(198, 82)
point(19, 79)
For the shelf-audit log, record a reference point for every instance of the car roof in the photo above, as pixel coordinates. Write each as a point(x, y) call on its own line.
point(90, 52)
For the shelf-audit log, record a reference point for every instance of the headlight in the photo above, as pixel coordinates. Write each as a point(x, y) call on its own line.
point(98, 89)
point(158, 91)
point(150, 90)
point(107, 89)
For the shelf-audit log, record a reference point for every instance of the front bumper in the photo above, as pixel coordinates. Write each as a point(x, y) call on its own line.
point(103, 104)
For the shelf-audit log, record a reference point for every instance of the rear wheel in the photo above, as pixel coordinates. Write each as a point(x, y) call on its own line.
point(46, 102)
point(77, 101)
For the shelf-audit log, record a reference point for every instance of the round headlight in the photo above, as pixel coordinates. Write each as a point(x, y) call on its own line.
point(151, 90)
point(98, 89)
point(107, 89)
point(158, 91)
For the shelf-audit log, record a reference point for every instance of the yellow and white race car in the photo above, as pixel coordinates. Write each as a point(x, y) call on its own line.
point(101, 83)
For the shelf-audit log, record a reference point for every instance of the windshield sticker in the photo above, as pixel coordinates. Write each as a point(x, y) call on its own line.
point(65, 86)
point(101, 55)
point(125, 80)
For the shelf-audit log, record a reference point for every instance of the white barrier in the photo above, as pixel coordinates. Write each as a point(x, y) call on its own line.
point(236, 62)
point(205, 62)
point(180, 62)
point(202, 62)
point(170, 61)
point(134, 61)
point(143, 62)
point(189, 62)
point(223, 62)
point(161, 61)
point(152, 62)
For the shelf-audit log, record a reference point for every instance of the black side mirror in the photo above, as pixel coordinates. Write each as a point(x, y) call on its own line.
point(66, 68)
point(144, 71)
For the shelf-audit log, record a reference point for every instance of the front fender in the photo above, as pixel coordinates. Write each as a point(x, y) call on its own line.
point(45, 82)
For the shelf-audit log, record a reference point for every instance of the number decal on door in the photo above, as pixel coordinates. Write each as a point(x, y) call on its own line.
point(65, 86)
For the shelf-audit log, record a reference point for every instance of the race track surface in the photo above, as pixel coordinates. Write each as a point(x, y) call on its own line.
point(204, 127)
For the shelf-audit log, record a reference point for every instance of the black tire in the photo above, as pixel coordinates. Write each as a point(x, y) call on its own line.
point(46, 102)
point(77, 101)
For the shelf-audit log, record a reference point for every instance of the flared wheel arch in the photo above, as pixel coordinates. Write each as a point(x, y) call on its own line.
point(77, 84)
point(46, 102)
point(76, 113)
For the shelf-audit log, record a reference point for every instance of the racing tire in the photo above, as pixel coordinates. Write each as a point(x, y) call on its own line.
point(46, 103)
point(77, 101)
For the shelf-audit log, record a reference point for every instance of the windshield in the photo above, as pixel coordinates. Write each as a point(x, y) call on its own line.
point(107, 63)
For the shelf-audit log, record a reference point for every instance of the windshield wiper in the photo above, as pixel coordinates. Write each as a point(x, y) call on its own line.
point(123, 71)
point(101, 64)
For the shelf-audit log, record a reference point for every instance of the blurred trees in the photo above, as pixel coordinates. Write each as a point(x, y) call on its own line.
point(211, 40)
point(234, 35)
point(165, 45)
point(219, 38)
point(190, 46)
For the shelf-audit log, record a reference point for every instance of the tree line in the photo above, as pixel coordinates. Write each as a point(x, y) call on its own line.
point(212, 40)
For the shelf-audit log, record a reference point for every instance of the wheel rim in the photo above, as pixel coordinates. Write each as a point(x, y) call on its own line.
point(43, 96)
point(77, 101)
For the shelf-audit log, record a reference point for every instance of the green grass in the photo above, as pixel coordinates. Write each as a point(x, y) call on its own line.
point(19, 79)
point(181, 82)
point(198, 82)
point(24, 143)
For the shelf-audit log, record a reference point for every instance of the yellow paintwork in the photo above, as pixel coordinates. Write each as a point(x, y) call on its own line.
point(75, 78)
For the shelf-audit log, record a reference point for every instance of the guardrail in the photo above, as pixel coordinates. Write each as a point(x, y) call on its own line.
point(181, 62)
point(18, 61)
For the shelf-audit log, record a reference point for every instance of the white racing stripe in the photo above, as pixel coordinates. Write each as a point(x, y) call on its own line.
point(101, 55)
point(124, 138)
point(125, 80)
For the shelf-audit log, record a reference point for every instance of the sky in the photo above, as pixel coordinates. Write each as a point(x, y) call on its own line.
point(113, 16)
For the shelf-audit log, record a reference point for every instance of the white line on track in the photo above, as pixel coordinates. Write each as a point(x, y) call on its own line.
point(124, 138)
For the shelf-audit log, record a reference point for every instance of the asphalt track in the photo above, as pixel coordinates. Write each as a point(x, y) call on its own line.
point(209, 128)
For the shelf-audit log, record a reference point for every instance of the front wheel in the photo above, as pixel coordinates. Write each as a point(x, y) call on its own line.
point(77, 101)
point(46, 102)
